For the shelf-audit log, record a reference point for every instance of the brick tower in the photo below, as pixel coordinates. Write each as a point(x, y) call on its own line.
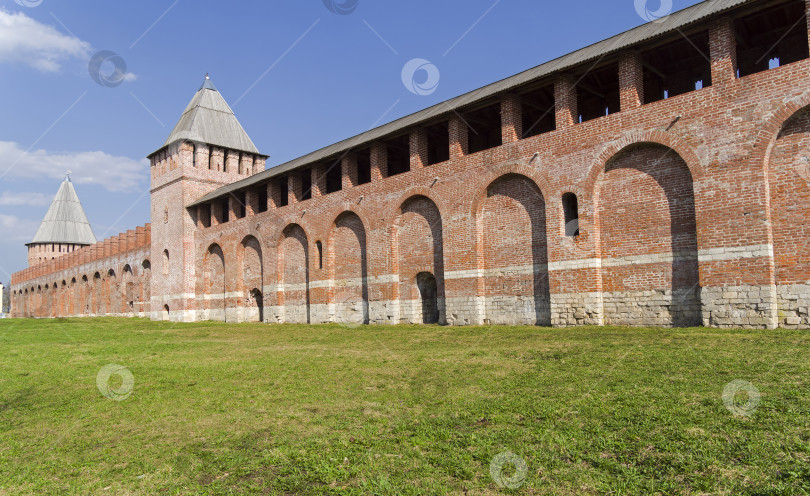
point(64, 229)
point(207, 149)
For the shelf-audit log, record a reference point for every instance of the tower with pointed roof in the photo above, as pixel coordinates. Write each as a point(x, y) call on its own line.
point(207, 149)
point(64, 229)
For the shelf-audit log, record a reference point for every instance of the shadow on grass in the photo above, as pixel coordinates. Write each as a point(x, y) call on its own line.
point(22, 399)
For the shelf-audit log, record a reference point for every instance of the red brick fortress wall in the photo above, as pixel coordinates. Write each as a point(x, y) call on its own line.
point(665, 184)
point(110, 278)
point(692, 207)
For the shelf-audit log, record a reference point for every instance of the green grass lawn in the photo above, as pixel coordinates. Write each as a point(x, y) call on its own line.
point(406, 410)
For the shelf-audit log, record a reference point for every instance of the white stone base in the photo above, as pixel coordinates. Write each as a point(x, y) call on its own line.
point(658, 307)
point(384, 312)
point(411, 311)
point(794, 306)
point(464, 311)
point(573, 309)
point(749, 307)
point(727, 307)
point(516, 310)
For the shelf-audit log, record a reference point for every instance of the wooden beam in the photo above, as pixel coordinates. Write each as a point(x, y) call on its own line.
point(590, 89)
point(654, 70)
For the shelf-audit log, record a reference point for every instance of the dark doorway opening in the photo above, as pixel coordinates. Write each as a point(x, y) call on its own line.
point(429, 293)
point(256, 296)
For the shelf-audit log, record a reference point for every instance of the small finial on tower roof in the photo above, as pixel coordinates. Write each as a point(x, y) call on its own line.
point(207, 83)
point(67, 175)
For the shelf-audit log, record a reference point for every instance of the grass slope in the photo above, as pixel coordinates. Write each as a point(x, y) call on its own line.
point(406, 410)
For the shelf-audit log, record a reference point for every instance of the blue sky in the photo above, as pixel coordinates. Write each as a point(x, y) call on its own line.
point(299, 75)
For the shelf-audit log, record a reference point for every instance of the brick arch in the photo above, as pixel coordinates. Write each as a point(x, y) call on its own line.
point(128, 284)
point(511, 168)
point(287, 222)
point(47, 302)
point(346, 208)
point(766, 137)
point(293, 274)
point(395, 210)
point(43, 302)
point(659, 233)
point(787, 175)
point(250, 258)
point(248, 240)
point(417, 248)
point(511, 247)
point(350, 212)
point(95, 293)
point(677, 145)
point(36, 295)
point(111, 288)
point(214, 265)
point(347, 261)
point(108, 285)
point(495, 174)
point(274, 242)
point(589, 197)
point(58, 301)
point(64, 299)
point(765, 141)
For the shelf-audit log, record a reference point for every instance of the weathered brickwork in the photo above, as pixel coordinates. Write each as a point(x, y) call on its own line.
point(38, 254)
point(687, 204)
point(112, 278)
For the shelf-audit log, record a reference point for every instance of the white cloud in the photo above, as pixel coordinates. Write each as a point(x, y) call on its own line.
point(99, 168)
point(11, 198)
point(17, 230)
point(25, 40)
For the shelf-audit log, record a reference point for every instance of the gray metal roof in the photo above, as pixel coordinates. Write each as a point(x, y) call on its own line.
point(673, 23)
point(65, 221)
point(209, 119)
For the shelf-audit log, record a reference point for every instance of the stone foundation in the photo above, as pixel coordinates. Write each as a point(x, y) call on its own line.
point(740, 307)
point(577, 309)
point(794, 306)
point(657, 307)
point(730, 307)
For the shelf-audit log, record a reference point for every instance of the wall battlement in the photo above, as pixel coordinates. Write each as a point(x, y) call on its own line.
point(134, 239)
point(112, 277)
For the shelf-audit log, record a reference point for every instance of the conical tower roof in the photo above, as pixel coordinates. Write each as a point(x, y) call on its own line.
point(65, 221)
point(209, 119)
